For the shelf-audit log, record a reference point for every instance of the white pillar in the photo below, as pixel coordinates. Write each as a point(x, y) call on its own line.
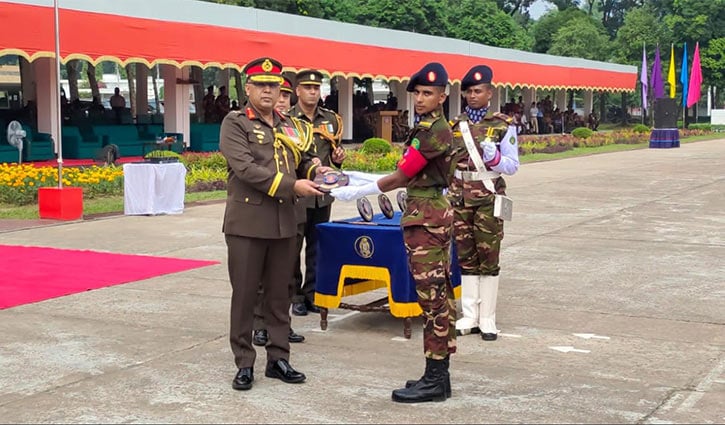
point(344, 104)
point(560, 99)
point(454, 101)
point(588, 102)
point(142, 87)
point(495, 103)
point(223, 77)
point(27, 80)
point(398, 89)
point(176, 101)
point(529, 95)
point(47, 92)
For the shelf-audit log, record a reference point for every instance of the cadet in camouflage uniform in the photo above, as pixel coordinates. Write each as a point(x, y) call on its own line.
point(327, 130)
point(426, 170)
point(478, 233)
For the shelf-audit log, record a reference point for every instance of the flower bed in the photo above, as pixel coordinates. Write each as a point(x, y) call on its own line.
point(19, 183)
point(208, 171)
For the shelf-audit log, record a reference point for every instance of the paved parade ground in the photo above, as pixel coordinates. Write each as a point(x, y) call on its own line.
point(611, 308)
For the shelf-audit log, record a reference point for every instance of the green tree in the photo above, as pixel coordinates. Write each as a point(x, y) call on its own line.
point(512, 7)
point(583, 38)
point(483, 22)
point(613, 12)
point(640, 27)
point(712, 60)
point(544, 29)
point(697, 20)
point(565, 4)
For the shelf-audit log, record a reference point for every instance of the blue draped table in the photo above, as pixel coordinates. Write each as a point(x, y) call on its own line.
point(354, 257)
point(664, 138)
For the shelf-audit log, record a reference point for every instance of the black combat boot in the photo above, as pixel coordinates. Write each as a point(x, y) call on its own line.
point(431, 387)
point(447, 360)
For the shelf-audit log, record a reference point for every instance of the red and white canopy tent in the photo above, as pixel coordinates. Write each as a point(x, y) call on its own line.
point(180, 33)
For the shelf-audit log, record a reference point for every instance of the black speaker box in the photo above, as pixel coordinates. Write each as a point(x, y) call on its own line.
point(667, 111)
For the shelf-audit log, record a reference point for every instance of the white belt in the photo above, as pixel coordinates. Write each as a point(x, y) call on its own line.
point(476, 175)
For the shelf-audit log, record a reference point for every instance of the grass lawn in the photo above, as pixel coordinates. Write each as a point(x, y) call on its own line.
point(114, 204)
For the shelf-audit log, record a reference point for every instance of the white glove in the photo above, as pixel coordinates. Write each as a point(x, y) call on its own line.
point(489, 151)
point(358, 178)
point(350, 193)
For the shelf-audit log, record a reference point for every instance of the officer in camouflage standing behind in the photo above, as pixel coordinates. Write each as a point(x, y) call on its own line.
point(425, 170)
point(492, 150)
point(327, 130)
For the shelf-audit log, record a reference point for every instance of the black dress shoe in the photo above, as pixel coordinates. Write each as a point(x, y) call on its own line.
point(489, 337)
point(299, 309)
point(260, 337)
point(244, 378)
point(282, 370)
point(295, 337)
point(311, 307)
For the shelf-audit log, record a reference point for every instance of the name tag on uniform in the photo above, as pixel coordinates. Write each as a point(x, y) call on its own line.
point(503, 207)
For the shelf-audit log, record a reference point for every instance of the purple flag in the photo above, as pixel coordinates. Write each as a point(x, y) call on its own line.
point(643, 77)
point(656, 82)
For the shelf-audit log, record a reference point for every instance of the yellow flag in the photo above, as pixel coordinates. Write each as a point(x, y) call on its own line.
point(671, 73)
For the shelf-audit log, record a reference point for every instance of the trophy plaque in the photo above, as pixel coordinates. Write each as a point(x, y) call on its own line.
point(385, 206)
point(365, 208)
point(402, 199)
point(331, 180)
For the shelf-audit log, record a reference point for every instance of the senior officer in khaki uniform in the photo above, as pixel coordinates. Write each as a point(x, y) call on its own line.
point(260, 336)
point(266, 172)
point(327, 127)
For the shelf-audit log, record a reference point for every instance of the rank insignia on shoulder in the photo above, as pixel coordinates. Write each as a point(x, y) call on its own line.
point(503, 117)
point(425, 124)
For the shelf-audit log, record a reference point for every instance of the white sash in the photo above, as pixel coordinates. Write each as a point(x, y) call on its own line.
point(475, 156)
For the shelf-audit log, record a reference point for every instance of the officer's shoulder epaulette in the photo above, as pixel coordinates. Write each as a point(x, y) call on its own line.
point(455, 121)
point(425, 124)
point(327, 111)
point(503, 117)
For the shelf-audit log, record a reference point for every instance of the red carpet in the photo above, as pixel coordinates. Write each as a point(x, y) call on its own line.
point(31, 274)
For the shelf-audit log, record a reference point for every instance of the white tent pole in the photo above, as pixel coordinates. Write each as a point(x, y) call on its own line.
point(57, 94)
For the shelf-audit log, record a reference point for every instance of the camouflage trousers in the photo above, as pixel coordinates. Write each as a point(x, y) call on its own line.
point(478, 237)
point(429, 256)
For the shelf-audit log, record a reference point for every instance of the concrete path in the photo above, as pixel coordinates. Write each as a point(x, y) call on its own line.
point(619, 256)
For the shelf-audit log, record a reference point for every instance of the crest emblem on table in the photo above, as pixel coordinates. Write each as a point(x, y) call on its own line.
point(364, 246)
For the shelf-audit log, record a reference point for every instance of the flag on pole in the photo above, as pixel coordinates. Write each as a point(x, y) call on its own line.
point(693, 92)
point(656, 83)
point(643, 77)
point(671, 73)
point(683, 75)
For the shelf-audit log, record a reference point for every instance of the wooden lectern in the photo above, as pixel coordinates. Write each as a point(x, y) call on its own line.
point(384, 124)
